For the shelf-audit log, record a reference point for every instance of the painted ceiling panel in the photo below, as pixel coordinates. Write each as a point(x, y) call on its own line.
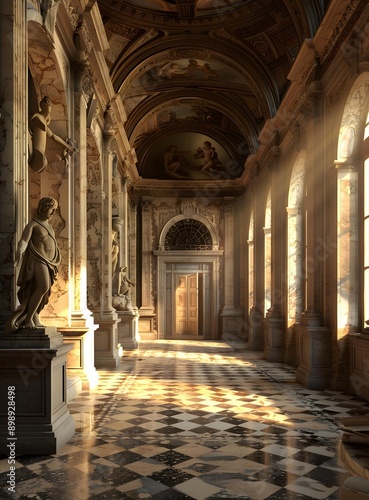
point(196, 71)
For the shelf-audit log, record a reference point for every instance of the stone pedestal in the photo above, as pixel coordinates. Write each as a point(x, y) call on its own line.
point(256, 330)
point(82, 374)
point(290, 356)
point(147, 328)
point(107, 349)
point(33, 376)
point(128, 336)
point(314, 347)
point(232, 324)
point(359, 364)
point(274, 348)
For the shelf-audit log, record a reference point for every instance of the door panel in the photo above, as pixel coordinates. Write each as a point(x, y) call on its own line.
point(192, 305)
point(186, 310)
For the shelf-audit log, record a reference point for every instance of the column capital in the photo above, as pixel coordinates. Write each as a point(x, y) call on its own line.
point(293, 210)
point(346, 164)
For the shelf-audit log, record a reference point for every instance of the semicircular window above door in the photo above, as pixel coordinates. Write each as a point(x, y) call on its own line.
point(188, 234)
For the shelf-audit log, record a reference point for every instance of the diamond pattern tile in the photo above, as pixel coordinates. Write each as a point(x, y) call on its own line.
point(194, 420)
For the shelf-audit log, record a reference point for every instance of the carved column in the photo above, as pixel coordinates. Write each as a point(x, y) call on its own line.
point(231, 317)
point(14, 135)
point(147, 309)
point(81, 327)
point(128, 335)
point(107, 352)
point(313, 339)
point(274, 322)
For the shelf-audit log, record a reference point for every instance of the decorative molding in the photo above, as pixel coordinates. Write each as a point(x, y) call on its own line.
point(189, 207)
point(189, 54)
point(339, 29)
point(72, 14)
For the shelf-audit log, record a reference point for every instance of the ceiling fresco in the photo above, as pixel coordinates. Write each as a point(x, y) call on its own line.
point(189, 156)
point(180, 70)
point(195, 71)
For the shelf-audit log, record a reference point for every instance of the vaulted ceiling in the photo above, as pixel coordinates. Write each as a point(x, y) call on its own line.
point(191, 72)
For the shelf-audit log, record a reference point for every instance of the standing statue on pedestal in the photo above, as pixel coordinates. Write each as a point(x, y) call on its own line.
point(122, 301)
point(114, 260)
point(38, 256)
point(39, 131)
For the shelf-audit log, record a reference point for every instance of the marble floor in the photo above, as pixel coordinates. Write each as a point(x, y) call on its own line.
point(200, 420)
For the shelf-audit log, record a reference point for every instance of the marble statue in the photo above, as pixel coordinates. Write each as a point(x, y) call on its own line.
point(115, 259)
point(38, 256)
point(121, 300)
point(39, 131)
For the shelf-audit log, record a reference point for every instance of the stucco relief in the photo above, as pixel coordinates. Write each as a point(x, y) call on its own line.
point(94, 173)
point(163, 215)
point(94, 246)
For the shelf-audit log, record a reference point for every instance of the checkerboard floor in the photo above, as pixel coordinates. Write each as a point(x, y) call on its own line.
point(195, 420)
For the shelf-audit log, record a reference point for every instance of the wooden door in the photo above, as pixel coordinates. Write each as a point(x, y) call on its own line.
point(186, 304)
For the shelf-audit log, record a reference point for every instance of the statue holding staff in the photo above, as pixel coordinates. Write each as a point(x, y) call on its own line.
point(38, 256)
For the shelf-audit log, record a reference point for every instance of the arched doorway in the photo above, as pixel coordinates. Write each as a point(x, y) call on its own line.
point(188, 279)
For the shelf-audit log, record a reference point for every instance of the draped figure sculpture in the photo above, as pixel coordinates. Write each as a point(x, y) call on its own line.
point(39, 131)
point(122, 300)
point(38, 256)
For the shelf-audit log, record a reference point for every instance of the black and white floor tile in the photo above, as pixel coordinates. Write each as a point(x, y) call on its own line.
point(195, 420)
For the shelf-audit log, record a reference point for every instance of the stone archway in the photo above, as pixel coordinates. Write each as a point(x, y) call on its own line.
point(188, 278)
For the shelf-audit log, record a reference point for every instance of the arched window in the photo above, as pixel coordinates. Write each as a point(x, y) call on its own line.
point(365, 198)
point(352, 167)
point(295, 241)
point(268, 255)
point(188, 234)
point(250, 242)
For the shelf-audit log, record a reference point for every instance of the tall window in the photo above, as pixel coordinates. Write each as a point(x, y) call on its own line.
point(352, 167)
point(268, 255)
point(250, 242)
point(295, 241)
point(365, 198)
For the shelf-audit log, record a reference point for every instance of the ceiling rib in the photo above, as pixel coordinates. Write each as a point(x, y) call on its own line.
point(186, 8)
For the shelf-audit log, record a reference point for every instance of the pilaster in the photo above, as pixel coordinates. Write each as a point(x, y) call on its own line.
point(80, 328)
point(274, 322)
point(314, 343)
point(14, 133)
point(231, 317)
point(147, 309)
point(107, 349)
